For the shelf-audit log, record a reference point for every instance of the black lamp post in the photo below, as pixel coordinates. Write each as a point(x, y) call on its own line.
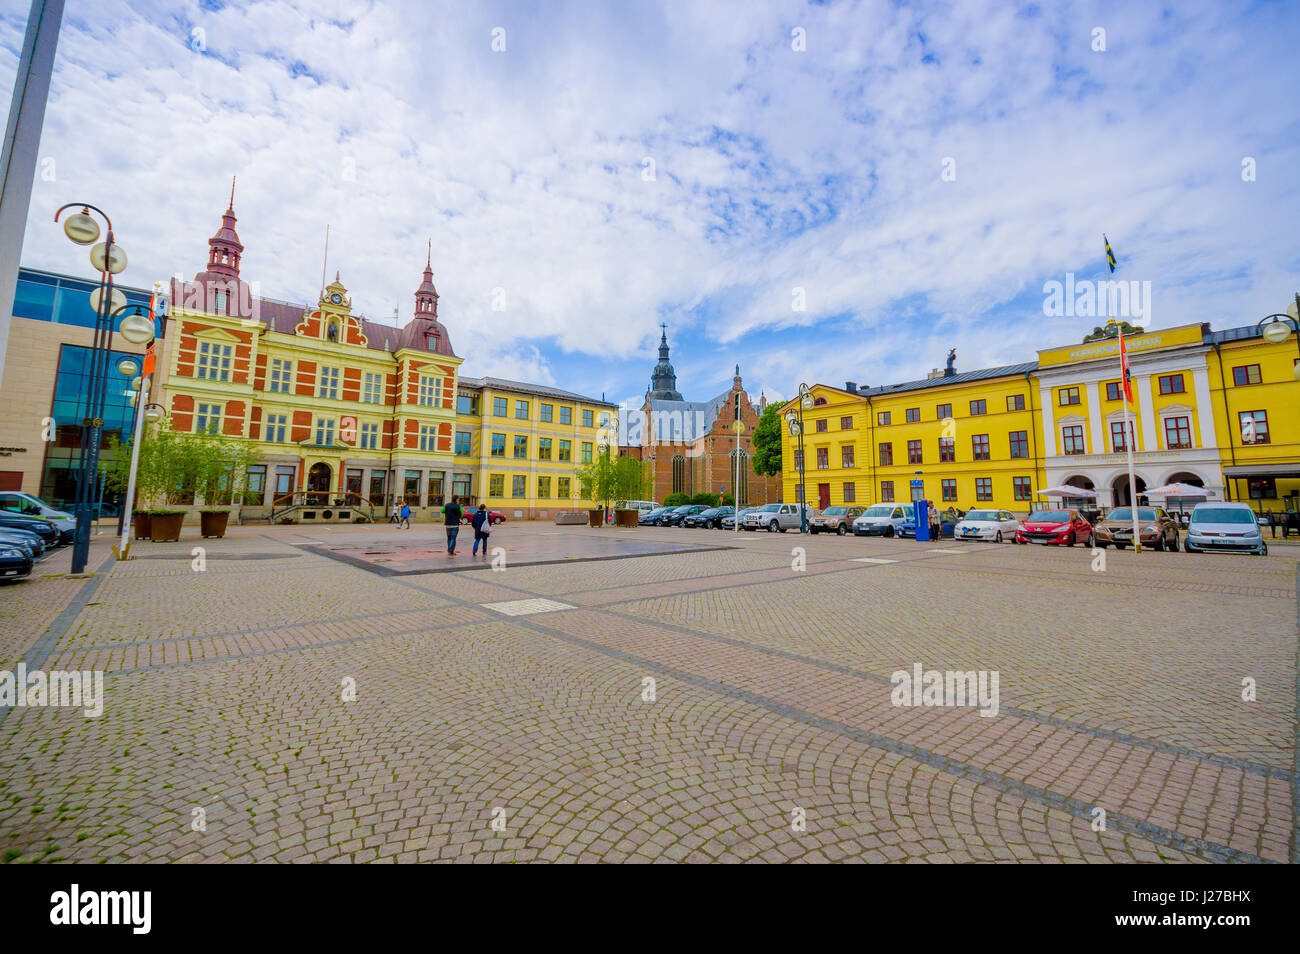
point(794, 420)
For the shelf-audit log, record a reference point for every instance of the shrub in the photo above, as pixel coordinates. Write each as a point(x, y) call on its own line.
point(677, 500)
point(705, 498)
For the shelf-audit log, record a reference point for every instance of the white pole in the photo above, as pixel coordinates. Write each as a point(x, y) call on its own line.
point(142, 400)
point(1128, 444)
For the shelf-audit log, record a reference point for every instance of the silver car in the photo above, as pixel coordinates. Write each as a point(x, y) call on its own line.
point(1226, 527)
point(773, 517)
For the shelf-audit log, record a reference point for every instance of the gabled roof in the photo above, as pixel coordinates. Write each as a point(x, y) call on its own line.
point(541, 390)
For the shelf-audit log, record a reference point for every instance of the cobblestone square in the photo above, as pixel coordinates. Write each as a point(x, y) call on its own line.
point(721, 697)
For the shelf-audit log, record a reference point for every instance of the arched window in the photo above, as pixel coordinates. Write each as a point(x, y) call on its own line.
point(679, 474)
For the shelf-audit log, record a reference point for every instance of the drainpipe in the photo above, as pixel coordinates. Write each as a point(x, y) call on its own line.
point(1033, 443)
point(871, 447)
point(1227, 414)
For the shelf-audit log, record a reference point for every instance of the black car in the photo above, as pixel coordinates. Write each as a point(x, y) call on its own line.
point(28, 542)
point(675, 518)
point(47, 531)
point(651, 517)
point(14, 561)
point(708, 519)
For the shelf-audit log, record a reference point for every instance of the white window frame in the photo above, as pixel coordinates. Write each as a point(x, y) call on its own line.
point(329, 383)
point(208, 414)
point(280, 379)
point(369, 436)
point(430, 391)
point(374, 389)
point(212, 362)
point(325, 428)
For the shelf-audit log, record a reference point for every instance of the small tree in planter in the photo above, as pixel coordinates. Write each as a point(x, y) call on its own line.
point(165, 525)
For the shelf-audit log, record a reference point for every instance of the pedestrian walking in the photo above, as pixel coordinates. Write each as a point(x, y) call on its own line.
point(482, 528)
point(406, 517)
point(451, 514)
point(396, 515)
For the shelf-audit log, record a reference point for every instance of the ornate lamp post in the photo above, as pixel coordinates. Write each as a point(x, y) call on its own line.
point(794, 420)
point(108, 259)
point(1277, 328)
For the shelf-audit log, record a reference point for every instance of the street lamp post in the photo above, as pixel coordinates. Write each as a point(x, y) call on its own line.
point(109, 259)
point(137, 329)
point(1277, 328)
point(794, 420)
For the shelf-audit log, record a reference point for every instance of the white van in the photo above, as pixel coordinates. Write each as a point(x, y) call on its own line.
point(642, 506)
point(16, 501)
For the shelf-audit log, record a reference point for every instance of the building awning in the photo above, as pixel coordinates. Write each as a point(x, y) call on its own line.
point(1262, 470)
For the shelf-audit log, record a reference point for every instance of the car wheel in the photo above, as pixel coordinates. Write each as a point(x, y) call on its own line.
point(1187, 545)
point(889, 532)
point(840, 530)
point(1264, 550)
point(997, 537)
point(1103, 544)
point(1160, 544)
point(1121, 546)
point(772, 527)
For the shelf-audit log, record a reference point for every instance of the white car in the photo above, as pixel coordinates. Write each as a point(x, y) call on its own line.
point(992, 525)
point(17, 502)
point(883, 520)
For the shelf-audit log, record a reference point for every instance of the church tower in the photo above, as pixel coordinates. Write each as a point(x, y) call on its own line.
point(663, 381)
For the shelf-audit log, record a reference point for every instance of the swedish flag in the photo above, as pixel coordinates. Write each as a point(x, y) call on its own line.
point(1110, 253)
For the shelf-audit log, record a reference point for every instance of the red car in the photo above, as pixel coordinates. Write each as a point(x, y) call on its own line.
point(494, 516)
point(1055, 526)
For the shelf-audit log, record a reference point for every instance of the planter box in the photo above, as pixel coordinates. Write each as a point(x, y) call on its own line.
point(595, 517)
point(626, 518)
point(213, 524)
point(165, 527)
point(142, 523)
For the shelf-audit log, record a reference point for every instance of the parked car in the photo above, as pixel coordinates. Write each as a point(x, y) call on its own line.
point(644, 506)
point(880, 520)
point(1056, 527)
point(994, 525)
point(47, 531)
point(1227, 527)
point(651, 517)
point(14, 501)
point(947, 525)
point(773, 517)
point(729, 523)
point(675, 518)
point(24, 540)
point(708, 519)
point(494, 516)
point(1156, 529)
point(834, 520)
point(15, 562)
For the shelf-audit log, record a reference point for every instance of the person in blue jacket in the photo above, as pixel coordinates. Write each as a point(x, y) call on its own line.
point(482, 527)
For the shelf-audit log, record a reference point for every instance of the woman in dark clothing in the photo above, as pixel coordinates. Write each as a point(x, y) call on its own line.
point(481, 528)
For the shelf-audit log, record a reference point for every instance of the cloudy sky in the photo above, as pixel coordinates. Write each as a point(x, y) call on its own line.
point(826, 192)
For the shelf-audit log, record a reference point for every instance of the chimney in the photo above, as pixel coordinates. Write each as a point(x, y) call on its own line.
point(850, 387)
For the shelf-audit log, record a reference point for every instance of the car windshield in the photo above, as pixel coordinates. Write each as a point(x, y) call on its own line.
point(1126, 513)
point(682, 509)
point(879, 510)
point(767, 508)
point(1050, 516)
point(835, 511)
point(982, 515)
point(1222, 515)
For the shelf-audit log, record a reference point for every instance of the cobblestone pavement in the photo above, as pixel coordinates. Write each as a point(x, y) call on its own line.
point(509, 715)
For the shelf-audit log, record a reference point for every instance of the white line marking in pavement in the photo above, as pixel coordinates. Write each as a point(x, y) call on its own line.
point(871, 560)
point(526, 607)
point(942, 550)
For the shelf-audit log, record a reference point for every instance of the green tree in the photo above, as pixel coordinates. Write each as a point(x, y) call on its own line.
point(677, 499)
point(175, 466)
point(705, 498)
point(767, 442)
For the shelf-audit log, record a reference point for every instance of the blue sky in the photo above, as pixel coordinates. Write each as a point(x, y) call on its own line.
point(779, 173)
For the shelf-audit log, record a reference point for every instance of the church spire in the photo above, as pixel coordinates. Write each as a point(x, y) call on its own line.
point(426, 296)
point(224, 248)
point(663, 381)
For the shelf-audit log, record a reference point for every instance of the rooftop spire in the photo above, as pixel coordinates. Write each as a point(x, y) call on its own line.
point(224, 248)
point(426, 296)
point(231, 207)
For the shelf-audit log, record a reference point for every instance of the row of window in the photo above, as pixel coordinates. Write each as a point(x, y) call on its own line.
point(1021, 489)
point(519, 486)
point(523, 411)
point(214, 362)
point(943, 412)
point(563, 452)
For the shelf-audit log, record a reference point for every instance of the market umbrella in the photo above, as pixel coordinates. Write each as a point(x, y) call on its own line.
point(1180, 492)
point(1067, 491)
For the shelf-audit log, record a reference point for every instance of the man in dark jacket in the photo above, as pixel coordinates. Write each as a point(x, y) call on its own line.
point(482, 526)
point(451, 514)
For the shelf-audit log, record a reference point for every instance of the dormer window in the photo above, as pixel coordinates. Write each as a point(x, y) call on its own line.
point(219, 302)
point(431, 340)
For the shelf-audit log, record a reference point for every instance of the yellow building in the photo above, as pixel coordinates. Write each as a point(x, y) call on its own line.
point(1218, 410)
point(349, 416)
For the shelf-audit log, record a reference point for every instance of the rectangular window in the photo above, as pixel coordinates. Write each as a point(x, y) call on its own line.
point(882, 418)
point(1262, 488)
point(846, 456)
point(255, 484)
point(887, 491)
point(566, 415)
point(1072, 439)
point(1019, 443)
point(499, 406)
point(947, 450)
point(374, 389)
point(604, 419)
point(207, 419)
point(798, 460)
point(430, 391)
point(281, 375)
point(846, 423)
point(283, 481)
point(823, 458)
point(979, 407)
point(979, 447)
point(562, 488)
point(521, 446)
point(1246, 374)
point(850, 491)
point(274, 430)
point(1114, 390)
point(821, 426)
point(544, 412)
point(369, 436)
point(543, 448)
point(428, 437)
point(498, 445)
point(214, 361)
point(497, 485)
point(324, 431)
point(519, 485)
point(886, 455)
point(1171, 384)
point(377, 482)
point(462, 443)
point(943, 412)
point(329, 383)
point(460, 484)
point(411, 488)
point(1068, 396)
point(1254, 427)
point(1178, 433)
point(566, 450)
point(1015, 402)
point(983, 488)
point(521, 410)
point(586, 452)
point(466, 404)
point(1021, 488)
point(912, 415)
point(948, 489)
point(1117, 442)
point(588, 418)
point(544, 488)
point(914, 452)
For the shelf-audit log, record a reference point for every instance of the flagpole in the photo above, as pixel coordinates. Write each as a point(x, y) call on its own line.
point(1129, 437)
